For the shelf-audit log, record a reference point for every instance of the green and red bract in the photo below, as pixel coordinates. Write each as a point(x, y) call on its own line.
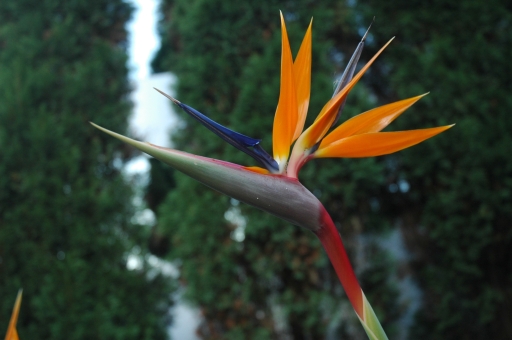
point(275, 188)
point(279, 195)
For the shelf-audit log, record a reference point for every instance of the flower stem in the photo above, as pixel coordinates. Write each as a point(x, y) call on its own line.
point(331, 241)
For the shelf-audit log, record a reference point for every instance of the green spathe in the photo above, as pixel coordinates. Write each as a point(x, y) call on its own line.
point(281, 196)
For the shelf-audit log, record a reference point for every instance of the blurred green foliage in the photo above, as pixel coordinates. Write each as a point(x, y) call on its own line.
point(252, 275)
point(449, 198)
point(456, 215)
point(65, 209)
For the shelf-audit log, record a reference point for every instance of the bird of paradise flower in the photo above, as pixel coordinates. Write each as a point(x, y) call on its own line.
point(12, 333)
point(274, 187)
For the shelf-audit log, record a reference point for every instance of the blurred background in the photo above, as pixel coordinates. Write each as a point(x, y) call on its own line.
point(107, 244)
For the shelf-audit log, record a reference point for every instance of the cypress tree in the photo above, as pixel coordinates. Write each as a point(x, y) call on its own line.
point(252, 275)
point(456, 215)
point(65, 208)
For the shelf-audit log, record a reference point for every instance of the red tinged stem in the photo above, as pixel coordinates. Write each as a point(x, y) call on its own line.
point(331, 240)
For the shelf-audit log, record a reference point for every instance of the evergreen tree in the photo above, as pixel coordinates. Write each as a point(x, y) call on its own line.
point(254, 276)
point(456, 214)
point(65, 230)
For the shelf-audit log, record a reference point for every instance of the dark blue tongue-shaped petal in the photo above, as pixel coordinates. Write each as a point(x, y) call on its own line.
point(250, 146)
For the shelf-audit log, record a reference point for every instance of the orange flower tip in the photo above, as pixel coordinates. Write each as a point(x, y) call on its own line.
point(442, 129)
point(439, 129)
point(377, 143)
point(418, 97)
point(18, 302)
point(11, 330)
point(174, 100)
point(257, 169)
point(286, 116)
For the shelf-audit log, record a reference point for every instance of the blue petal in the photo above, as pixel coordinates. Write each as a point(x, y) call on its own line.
point(250, 146)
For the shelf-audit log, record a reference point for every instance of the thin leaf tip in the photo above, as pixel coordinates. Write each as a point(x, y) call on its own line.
point(174, 100)
point(368, 30)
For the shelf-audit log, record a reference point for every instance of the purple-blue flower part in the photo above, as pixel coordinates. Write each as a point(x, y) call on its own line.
point(249, 145)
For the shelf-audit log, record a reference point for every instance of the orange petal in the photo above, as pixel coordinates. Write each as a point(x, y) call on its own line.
point(257, 169)
point(302, 72)
point(12, 334)
point(285, 119)
point(325, 118)
point(378, 143)
point(370, 121)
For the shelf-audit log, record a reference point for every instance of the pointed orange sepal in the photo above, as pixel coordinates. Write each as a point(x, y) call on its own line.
point(257, 169)
point(377, 144)
point(302, 72)
point(370, 121)
point(285, 120)
point(12, 334)
point(325, 118)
